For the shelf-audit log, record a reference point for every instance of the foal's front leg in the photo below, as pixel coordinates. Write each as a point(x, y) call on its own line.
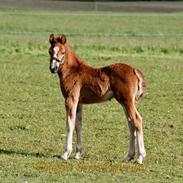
point(78, 131)
point(70, 105)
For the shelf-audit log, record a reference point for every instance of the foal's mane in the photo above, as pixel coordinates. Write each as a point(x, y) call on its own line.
point(76, 60)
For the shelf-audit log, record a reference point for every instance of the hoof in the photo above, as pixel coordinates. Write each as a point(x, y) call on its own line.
point(78, 155)
point(140, 161)
point(140, 158)
point(66, 155)
point(128, 158)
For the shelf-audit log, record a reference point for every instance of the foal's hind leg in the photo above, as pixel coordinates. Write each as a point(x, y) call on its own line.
point(135, 125)
point(131, 126)
point(140, 140)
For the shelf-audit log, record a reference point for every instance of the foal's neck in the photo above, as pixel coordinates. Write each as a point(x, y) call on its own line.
point(71, 59)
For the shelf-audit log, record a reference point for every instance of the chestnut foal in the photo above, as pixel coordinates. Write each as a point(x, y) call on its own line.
point(83, 84)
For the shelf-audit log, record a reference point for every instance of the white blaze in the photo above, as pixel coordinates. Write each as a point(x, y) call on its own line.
point(55, 49)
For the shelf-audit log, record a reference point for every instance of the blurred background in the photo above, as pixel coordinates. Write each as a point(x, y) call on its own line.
point(126, 6)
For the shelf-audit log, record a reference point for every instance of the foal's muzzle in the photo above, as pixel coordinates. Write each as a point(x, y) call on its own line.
point(53, 70)
point(54, 65)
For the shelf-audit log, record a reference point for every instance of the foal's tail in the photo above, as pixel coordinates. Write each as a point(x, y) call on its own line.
point(141, 84)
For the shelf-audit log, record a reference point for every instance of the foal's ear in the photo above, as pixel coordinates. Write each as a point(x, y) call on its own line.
point(52, 39)
point(62, 39)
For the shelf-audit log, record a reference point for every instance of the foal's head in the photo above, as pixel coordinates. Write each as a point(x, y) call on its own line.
point(57, 52)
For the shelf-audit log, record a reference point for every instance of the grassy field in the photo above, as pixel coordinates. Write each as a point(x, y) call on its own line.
point(32, 114)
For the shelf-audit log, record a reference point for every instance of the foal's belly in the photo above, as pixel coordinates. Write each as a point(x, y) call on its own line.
point(90, 97)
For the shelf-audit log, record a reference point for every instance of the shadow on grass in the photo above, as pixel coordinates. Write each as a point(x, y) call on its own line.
point(82, 166)
point(32, 154)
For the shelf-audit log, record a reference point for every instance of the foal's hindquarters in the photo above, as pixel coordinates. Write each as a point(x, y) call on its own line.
point(128, 88)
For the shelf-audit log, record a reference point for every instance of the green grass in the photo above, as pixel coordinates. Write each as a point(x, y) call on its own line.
point(32, 114)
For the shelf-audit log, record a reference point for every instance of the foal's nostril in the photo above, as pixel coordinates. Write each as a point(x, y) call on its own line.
point(52, 69)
